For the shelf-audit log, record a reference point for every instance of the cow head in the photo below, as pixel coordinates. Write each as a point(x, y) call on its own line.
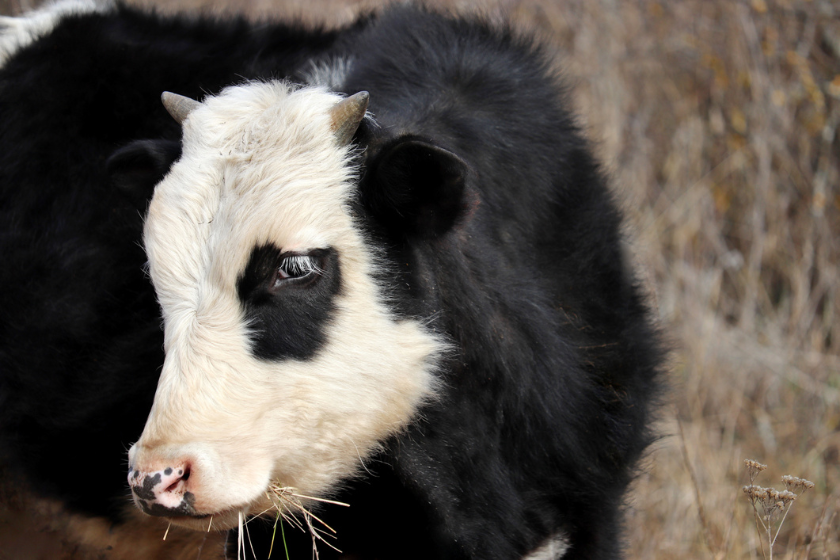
point(283, 363)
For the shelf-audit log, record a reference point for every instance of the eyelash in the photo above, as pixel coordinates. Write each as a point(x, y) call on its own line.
point(293, 269)
point(298, 266)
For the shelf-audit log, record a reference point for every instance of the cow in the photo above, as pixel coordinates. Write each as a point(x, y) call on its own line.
point(386, 271)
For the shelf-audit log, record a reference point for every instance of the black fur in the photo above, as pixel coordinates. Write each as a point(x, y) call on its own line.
point(416, 188)
point(138, 167)
point(475, 184)
point(289, 322)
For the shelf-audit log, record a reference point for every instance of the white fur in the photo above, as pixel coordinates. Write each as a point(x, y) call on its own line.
point(18, 32)
point(330, 73)
point(554, 548)
point(260, 164)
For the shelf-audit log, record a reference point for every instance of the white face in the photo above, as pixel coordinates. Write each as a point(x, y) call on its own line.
point(238, 407)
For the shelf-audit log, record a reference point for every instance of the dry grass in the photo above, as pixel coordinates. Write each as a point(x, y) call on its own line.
point(717, 120)
point(291, 508)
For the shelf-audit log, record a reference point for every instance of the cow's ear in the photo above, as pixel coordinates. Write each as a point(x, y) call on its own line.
point(135, 169)
point(416, 188)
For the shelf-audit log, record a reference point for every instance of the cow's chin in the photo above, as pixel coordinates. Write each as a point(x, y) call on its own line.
point(221, 520)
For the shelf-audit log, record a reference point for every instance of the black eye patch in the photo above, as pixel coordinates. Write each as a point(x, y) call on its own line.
point(288, 300)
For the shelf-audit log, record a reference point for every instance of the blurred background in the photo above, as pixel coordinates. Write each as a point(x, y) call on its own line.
point(717, 121)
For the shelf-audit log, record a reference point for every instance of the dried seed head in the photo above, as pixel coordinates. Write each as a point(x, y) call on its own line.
point(754, 465)
point(760, 493)
point(769, 495)
point(787, 496)
point(753, 468)
point(770, 499)
point(797, 484)
point(774, 504)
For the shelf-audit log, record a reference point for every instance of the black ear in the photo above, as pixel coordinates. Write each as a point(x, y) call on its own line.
point(135, 169)
point(416, 188)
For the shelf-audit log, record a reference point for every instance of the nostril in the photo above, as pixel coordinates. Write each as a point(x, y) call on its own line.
point(177, 478)
point(174, 486)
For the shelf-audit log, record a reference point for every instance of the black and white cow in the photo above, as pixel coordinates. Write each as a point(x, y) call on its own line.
point(390, 273)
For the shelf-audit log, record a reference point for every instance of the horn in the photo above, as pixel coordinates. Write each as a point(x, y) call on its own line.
point(346, 116)
point(178, 105)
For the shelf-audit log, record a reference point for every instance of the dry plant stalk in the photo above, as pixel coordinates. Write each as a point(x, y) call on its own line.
point(821, 532)
point(769, 503)
point(290, 506)
point(707, 531)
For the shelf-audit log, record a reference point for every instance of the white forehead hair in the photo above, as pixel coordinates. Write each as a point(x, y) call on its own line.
point(260, 164)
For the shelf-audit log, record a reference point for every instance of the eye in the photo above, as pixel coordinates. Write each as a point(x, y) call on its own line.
point(297, 270)
point(273, 273)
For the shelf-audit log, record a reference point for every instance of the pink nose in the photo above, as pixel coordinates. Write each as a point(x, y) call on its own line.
point(163, 493)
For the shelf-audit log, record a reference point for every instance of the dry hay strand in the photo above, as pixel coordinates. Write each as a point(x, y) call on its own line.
point(290, 506)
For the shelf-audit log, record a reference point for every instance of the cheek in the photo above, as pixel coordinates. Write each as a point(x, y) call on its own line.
point(323, 415)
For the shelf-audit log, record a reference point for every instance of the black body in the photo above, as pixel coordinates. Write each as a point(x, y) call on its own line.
point(486, 201)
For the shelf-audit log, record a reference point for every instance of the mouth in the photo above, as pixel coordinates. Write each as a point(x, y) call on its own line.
point(278, 501)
